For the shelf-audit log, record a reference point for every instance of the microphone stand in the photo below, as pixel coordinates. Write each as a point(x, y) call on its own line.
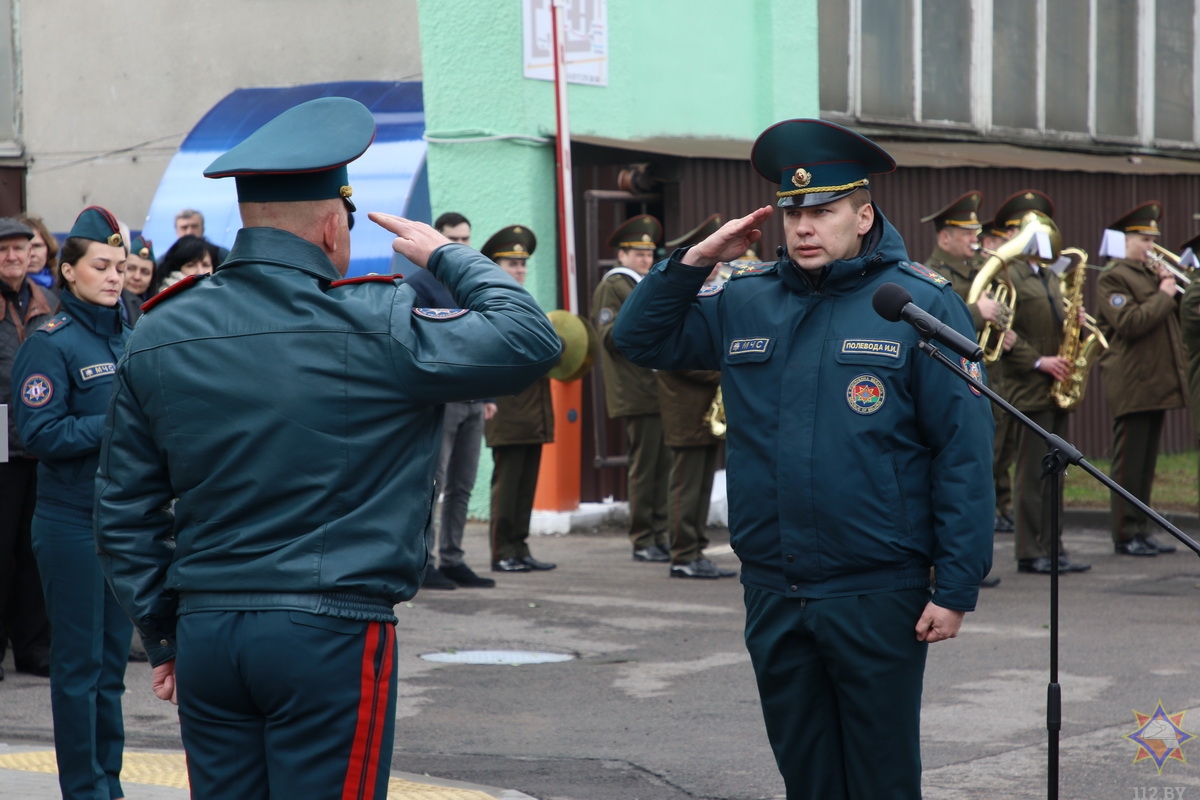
point(1060, 453)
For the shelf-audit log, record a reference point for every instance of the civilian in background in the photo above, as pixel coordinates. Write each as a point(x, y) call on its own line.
point(188, 256)
point(190, 222)
point(43, 254)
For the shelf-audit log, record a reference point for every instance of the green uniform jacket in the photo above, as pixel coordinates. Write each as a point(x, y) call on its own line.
point(1144, 366)
point(1189, 326)
point(298, 423)
point(1038, 325)
point(526, 418)
point(685, 396)
point(628, 389)
point(961, 274)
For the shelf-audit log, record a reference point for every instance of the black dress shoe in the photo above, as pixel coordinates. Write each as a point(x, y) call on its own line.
point(655, 553)
point(434, 579)
point(700, 568)
point(534, 564)
point(511, 565)
point(1157, 545)
point(38, 668)
point(989, 582)
point(1067, 565)
point(1137, 546)
point(1004, 524)
point(464, 576)
point(1038, 566)
point(721, 572)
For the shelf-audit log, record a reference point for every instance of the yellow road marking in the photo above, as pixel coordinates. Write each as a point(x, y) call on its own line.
point(170, 769)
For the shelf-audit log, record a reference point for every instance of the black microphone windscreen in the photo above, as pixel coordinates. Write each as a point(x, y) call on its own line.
point(889, 299)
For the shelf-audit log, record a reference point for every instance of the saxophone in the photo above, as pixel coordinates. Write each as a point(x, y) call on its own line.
point(1082, 339)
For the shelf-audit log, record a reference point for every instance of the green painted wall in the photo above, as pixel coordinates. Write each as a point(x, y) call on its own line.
point(709, 69)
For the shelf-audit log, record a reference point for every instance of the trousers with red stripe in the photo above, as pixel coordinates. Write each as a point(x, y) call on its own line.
point(286, 704)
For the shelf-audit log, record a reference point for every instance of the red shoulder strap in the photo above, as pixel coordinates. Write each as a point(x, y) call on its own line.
point(174, 289)
point(367, 279)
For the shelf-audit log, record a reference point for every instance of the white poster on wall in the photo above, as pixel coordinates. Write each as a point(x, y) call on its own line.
point(585, 31)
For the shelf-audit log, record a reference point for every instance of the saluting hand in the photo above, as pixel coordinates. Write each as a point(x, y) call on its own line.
point(731, 240)
point(937, 624)
point(414, 240)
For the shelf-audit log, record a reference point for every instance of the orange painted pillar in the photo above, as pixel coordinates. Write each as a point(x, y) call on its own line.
point(560, 475)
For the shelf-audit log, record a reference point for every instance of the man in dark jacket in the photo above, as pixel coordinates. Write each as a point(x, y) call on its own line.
point(22, 606)
point(855, 462)
point(296, 417)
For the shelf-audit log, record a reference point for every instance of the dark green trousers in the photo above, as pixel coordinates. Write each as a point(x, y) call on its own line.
point(1134, 458)
point(689, 490)
point(514, 484)
point(648, 470)
point(1033, 502)
point(1004, 453)
point(834, 675)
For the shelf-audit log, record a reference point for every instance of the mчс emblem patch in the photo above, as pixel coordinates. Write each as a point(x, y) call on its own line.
point(1159, 736)
point(972, 369)
point(865, 394)
point(36, 391)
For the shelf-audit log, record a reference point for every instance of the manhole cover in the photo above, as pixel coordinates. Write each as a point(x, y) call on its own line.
point(503, 657)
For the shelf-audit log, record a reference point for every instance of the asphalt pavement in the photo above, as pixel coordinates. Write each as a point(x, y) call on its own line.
point(657, 700)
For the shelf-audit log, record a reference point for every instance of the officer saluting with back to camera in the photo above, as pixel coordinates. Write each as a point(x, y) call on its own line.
point(855, 461)
point(297, 418)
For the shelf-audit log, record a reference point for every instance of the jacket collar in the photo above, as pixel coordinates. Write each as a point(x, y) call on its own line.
point(101, 320)
point(281, 249)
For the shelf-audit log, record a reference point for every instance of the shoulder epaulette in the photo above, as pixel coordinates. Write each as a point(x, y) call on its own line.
point(175, 288)
point(924, 272)
point(754, 270)
point(372, 278)
point(55, 323)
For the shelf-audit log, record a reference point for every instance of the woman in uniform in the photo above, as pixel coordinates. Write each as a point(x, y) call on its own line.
point(62, 379)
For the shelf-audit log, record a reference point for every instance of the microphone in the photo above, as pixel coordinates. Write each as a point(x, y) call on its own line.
point(894, 303)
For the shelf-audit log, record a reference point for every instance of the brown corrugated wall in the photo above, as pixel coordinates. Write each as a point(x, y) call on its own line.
point(692, 189)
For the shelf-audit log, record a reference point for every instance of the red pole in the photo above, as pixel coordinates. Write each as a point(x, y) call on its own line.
point(566, 199)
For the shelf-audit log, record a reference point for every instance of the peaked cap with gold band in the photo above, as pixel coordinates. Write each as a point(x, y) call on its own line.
point(637, 233)
point(301, 154)
point(1143, 219)
point(697, 234)
point(142, 248)
point(99, 225)
point(515, 241)
point(961, 213)
point(816, 162)
point(992, 228)
point(1013, 209)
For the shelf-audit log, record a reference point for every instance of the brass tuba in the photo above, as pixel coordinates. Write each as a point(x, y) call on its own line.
point(995, 271)
point(1082, 341)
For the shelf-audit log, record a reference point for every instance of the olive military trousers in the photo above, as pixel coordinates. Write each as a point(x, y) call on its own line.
point(840, 683)
point(514, 485)
point(1134, 459)
point(689, 491)
point(1033, 502)
point(648, 471)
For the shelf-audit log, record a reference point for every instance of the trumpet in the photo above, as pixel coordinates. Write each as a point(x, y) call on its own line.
point(1160, 256)
point(714, 418)
point(995, 271)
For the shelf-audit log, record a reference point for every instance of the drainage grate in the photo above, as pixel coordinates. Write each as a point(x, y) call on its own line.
point(498, 657)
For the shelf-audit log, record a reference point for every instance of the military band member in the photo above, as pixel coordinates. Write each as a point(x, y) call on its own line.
point(631, 391)
point(1189, 328)
point(1143, 370)
point(521, 425)
point(685, 397)
point(1028, 368)
point(956, 254)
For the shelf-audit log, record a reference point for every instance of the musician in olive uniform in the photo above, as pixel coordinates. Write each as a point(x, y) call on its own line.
point(1189, 329)
point(1028, 368)
point(631, 391)
point(516, 432)
point(1000, 229)
point(1143, 370)
point(685, 397)
point(956, 254)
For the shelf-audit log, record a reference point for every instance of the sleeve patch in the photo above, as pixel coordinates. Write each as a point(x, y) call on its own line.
point(36, 391)
point(710, 290)
point(1117, 300)
point(605, 316)
point(440, 314)
point(924, 272)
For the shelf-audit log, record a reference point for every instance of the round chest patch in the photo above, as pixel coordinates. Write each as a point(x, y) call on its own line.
point(865, 394)
point(606, 316)
point(711, 290)
point(972, 369)
point(440, 313)
point(36, 391)
point(1117, 300)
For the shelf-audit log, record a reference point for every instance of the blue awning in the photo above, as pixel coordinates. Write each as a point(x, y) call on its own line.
point(390, 176)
